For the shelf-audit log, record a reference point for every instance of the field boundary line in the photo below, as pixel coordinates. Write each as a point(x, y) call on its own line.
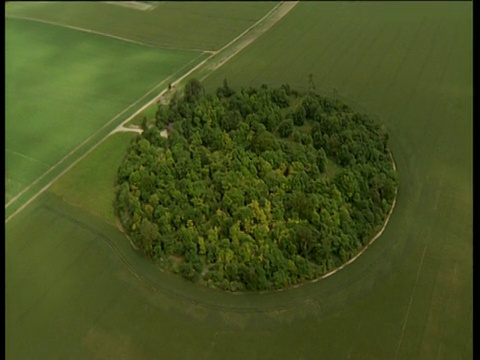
point(447, 306)
point(49, 22)
point(131, 117)
point(95, 32)
point(26, 157)
point(176, 82)
point(76, 148)
point(244, 44)
point(121, 126)
point(154, 284)
point(135, 5)
point(251, 27)
point(439, 188)
point(410, 302)
point(91, 136)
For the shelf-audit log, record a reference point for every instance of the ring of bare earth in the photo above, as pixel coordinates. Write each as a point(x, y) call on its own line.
point(260, 189)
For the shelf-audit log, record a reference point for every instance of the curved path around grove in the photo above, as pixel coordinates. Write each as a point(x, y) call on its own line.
point(200, 297)
point(373, 239)
point(175, 286)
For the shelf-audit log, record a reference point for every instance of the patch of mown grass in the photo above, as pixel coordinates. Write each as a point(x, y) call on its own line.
point(90, 184)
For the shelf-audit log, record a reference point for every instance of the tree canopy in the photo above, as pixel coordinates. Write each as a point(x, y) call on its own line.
point(255, 189)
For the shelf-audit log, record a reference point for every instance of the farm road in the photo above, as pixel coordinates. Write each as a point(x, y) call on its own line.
point(228, 51)
point(220, 57)
point(201, 71)
point(247, 37)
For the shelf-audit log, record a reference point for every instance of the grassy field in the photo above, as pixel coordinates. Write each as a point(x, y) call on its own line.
point(78, 290)
point(56, 99)
point(184, 24)
point(410, 65)
point(88, 177)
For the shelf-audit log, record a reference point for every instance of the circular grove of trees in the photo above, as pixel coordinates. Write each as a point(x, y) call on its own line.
point(255, 189)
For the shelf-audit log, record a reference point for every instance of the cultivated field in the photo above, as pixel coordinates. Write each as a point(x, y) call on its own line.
point(411, 65)
point(57, 100)
point(177, 25)
point(89, 178)
point(76, 289)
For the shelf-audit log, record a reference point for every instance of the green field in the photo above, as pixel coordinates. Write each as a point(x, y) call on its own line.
point(88, 177)
point(183, 24)
point(410, 65)
point(76, 289)
point(57, 99)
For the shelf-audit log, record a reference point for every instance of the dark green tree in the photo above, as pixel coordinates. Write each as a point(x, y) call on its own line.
point(193, 91)
point(240, 196)
point(285, 128)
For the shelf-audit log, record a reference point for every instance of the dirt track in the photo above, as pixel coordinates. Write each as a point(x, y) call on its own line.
point(202, 70)
point(248, 37)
